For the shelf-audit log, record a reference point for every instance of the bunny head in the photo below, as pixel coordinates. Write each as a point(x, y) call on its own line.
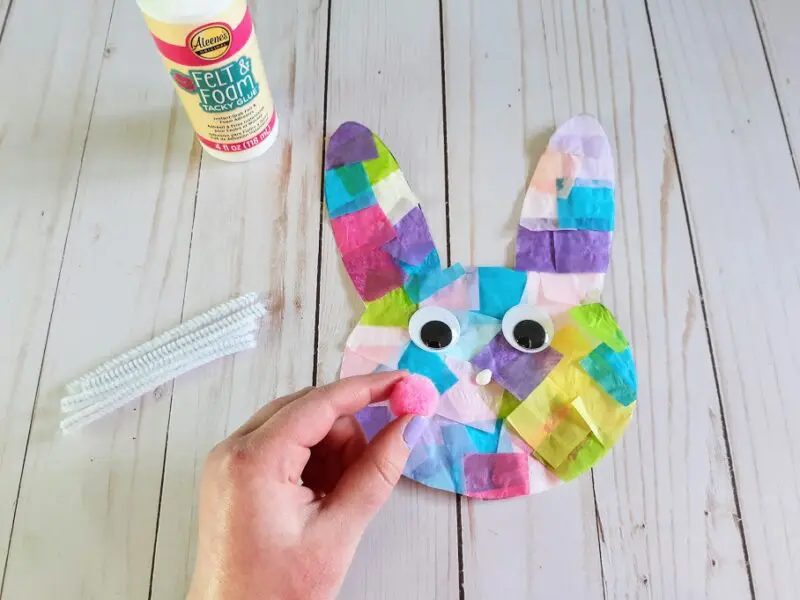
point(536, 380)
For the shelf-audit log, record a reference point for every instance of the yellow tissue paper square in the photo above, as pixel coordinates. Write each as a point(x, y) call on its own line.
point(568, 406)
point(606, 417)
point(549, 424)
point(534, 418)
point(569, 433)
point(572, 343)
point(569, 378)
point(600, 411)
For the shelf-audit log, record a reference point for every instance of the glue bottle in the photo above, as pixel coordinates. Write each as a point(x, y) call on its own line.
point(210, 50)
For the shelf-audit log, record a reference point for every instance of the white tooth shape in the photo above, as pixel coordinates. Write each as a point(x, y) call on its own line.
point(484, 377)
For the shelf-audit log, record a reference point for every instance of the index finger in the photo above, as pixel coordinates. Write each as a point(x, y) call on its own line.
point(265, 412)
point(307, 420)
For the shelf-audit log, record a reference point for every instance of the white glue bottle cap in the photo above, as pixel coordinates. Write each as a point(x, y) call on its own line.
point(183, 11)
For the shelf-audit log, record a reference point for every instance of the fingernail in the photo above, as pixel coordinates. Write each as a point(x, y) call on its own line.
point(414, 430)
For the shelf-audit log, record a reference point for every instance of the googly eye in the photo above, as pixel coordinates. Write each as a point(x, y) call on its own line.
point(434, 329)
point(527, 328)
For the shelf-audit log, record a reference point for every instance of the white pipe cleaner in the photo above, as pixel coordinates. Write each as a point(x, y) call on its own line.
point(225, 329)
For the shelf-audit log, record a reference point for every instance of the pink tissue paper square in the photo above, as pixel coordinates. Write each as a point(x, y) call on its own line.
point(495, 476)
point(365, 229)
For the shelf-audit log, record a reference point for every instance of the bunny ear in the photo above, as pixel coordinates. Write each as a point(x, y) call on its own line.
point(568, 214)
point(377, 222)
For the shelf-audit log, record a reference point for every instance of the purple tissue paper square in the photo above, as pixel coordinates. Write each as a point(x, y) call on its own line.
point(563, 251)
point(372, 419)
point(535, 251)
point(413, 242)
point(582, 251)
point(351, 143)
point(516, 371)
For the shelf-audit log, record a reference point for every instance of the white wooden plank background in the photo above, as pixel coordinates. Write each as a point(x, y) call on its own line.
point(499, 115)
point(778, 21)
point(121, 281)
point(666, 502)
point(4, 6)
point(743, 199)
point(112, 228)
point(597, 61)
point(384, 71)
point(255, 228)
point(43, 130)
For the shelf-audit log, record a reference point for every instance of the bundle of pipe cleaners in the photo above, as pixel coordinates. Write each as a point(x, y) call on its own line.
point(225, 329)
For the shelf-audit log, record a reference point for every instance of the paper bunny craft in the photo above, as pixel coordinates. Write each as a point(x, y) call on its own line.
point(562, 383)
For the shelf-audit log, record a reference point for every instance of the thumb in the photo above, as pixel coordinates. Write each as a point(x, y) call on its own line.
point(367, 484)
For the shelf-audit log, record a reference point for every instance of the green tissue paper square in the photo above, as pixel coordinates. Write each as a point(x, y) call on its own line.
point(598, 320)
point(381, 167)
point(353, 178)
point(581, 460)
point(391, 310)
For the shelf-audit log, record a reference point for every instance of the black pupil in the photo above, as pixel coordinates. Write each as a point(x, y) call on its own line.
point(530, 334)
point(436, 335)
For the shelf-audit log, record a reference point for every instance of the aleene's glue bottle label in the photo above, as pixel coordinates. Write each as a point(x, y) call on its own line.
point(217, 70)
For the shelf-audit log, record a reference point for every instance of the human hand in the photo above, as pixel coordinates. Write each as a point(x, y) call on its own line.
point(260, 534)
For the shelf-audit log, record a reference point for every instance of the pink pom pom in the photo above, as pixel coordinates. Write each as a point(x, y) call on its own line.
point(414, 395)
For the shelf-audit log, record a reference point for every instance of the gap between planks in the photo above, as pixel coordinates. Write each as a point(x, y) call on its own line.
point(449, 258)
point(172, 388)
point(5, 10)
point(781, 111)
point(317, 298)
point(58, 282)
point(700, 283)
point(447, 214)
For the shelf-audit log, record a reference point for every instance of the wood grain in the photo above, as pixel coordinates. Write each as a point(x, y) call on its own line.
point(665, 501)
point(256, 229)
point(5, 6)
point(43, 128)
point(385, 72)
point(778, 24)
point(743, 200)
point(88, 502)
point(498, 119)
point(98, 230)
